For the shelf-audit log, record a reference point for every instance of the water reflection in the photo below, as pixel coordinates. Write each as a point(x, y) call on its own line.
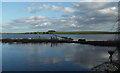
point(56, 57)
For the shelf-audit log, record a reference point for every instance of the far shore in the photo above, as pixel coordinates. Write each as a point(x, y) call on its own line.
point(77, 32)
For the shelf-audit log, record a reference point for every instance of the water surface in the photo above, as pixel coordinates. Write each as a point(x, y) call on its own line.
point(54, 57)
point(91, 37)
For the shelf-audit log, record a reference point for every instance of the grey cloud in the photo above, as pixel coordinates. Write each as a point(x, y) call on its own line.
point(65, 15)
point(104, 13)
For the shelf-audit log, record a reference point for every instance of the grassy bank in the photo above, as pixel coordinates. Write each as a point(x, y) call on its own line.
point(73, 32)
point(84, 32)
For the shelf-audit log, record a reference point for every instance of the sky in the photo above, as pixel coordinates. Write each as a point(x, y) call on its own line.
point(59, 16)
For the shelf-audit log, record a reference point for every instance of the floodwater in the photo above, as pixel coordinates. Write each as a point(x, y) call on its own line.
point(54, 56)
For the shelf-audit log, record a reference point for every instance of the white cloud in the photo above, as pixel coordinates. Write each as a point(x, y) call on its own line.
point(92, 18)
point(34, 9)
point(70, 10)
point(111, 10)
point(4, 25)
point(74, 25)
point(42, 24)
point(56, 7)
point(51, 7)
point(37, 17)
point(77, 5)
point(63, 20)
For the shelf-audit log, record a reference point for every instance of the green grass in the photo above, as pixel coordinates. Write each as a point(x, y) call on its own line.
point(78, 32)
point(73, 32)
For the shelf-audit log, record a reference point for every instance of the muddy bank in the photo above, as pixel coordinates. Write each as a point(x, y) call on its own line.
point(95, 43)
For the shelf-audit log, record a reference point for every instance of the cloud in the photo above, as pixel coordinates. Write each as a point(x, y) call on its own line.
point(56, 8)
point(80, 17)
point(34, 9)
point(50, 7)
point(70, 10)
point(74, 25)
point(65, 15)
point(111, 10)
point(42, 24)
point(37, 17)
point(98, 13)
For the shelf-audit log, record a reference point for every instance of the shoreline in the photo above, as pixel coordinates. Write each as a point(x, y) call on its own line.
point(95, 43)
point(71, 32)
point(61, 33)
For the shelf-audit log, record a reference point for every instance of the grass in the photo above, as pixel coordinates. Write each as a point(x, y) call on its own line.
point(73, 32)
point(81, 32)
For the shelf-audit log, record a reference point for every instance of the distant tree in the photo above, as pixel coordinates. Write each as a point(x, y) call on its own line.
point(47, 32)
point(51, 31)
point(35, 32)
point(43, 32)
point(81, 40)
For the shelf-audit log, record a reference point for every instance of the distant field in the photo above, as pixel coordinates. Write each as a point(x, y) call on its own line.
point(76, 32)
point(81, 32)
